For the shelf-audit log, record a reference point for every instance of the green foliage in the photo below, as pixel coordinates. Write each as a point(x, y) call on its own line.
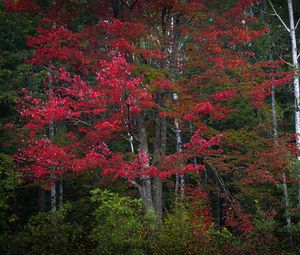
point(60, 137)
point(224, 242)
point(183, 232)
point(244, 116)
point(49, 234)
point(265, 227)
point(176, 235)
point(151, 73)
point(14, 72)
point(121, 224)
point(8, 182)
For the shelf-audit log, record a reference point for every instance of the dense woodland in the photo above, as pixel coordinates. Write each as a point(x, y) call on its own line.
point(149, 127)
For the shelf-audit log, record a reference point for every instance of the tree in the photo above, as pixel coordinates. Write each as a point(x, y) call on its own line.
point(116, 80)
point(146, 98)
point(291, 29)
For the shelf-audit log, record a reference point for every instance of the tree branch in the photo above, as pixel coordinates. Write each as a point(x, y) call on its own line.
point(288, 63)
point(222, 184)
point(81, 121)
point(278, 16)
point(128, 5)
point(135, 184)
point(297, 23)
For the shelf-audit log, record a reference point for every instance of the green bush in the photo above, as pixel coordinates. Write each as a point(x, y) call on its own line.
point(121, 224)
point(8, 182)
point(49, 234)
point(181, 234)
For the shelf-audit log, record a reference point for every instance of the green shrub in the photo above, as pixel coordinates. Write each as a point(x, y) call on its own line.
point(8, 182)
point(121, 224)
point(49, 234)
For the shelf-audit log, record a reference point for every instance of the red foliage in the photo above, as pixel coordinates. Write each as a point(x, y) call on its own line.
point(239, 220)
point(100, 79)
point(42, 157)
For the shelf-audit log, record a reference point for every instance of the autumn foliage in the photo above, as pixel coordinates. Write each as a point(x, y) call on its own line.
point(145, 92)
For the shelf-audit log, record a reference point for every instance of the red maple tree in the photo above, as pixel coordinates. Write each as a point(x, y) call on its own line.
point(129, 77)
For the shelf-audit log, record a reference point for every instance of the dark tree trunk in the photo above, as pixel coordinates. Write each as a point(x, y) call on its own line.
point(61, 192)
point(160, 141)
point(42, 199)
point(145, 186)
point(117, 6)
point(157, 184)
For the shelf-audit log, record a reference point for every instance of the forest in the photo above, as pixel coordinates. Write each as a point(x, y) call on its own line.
point(149, 127)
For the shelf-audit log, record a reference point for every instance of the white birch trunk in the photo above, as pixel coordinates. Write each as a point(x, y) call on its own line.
point(180, 181)
point(286, 202)
point(274, 113)
point(295, 82)
point(284, 184)
point(130, 139)
point(291, 31)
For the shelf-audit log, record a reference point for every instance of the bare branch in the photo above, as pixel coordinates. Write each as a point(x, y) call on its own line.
point(222, 184)
point(135, 184)
point(288, 63)
point(81, 121)
point(278, 16)
point(270, 14)
point(128, 5)
point(297, 23)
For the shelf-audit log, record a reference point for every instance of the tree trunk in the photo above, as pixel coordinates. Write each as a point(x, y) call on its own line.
point(117, 7)
point(287, 214)
point(274, 114)
point(61, 191)
point(157, 198)
point(52, 174)
point(284, 184)
point(295, 82)
point(42, 199)
point(180, 180)
point(159, 150)
point(130, 140)
point(145, 186)
point(291, 31)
